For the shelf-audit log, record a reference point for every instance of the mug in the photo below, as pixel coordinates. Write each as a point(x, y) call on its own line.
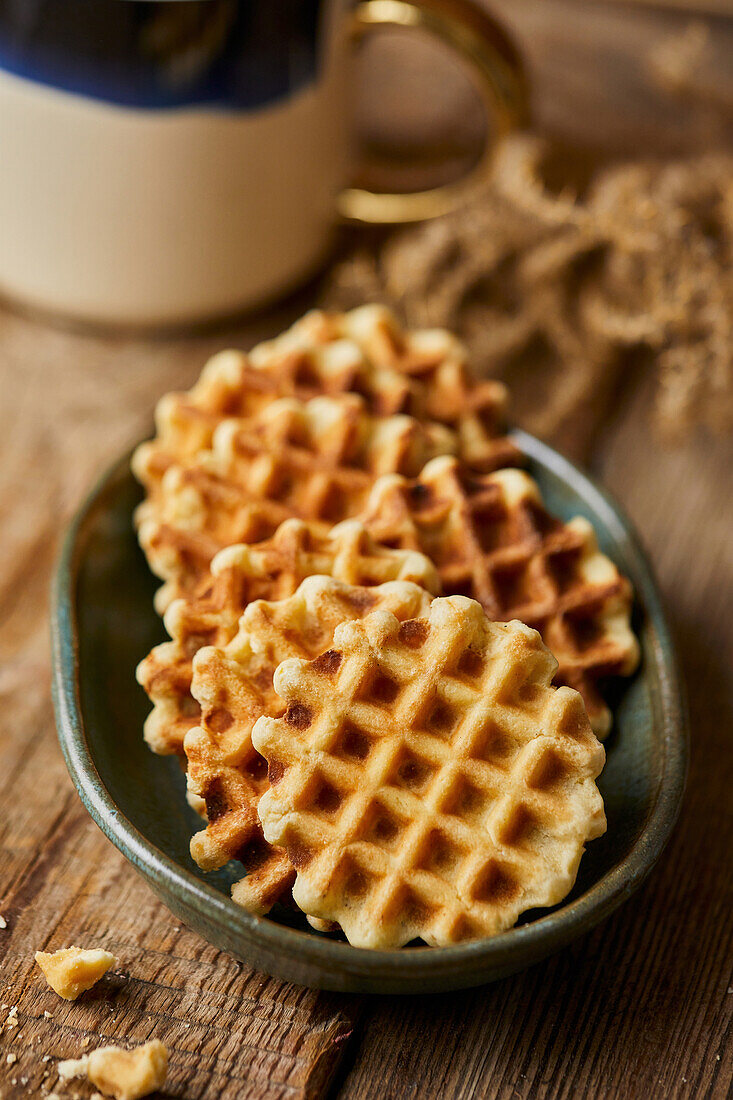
point(170, 162)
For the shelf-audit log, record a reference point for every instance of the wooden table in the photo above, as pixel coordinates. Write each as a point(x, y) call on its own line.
point(641, 1007)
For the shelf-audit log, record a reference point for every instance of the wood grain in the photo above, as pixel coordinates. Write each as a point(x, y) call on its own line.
point(641, 1007)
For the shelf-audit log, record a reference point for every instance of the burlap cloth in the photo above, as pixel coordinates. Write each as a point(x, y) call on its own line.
point(568, 289)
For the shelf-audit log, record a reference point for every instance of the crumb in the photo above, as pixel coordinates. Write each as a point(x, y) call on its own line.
point(11, 1058)
point(72, 1067)
point(73, 970)
point(124, 1074)
point(48, 1015)
point(3, 922)
point(46, 1058)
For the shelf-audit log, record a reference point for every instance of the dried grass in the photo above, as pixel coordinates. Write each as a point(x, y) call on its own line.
point(558, 292)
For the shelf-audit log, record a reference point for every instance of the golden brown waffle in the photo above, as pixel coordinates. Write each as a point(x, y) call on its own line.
point(314, 460)
point(422, 373)
point(234, 687)
point(236, 385)
point(426, 780)
point(492, 539)
point(270, 570)
point(441, 386)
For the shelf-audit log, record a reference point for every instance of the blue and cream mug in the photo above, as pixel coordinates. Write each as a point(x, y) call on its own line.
point(167, 162)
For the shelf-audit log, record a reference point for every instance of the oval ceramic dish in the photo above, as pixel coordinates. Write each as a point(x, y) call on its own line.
point(104, 623)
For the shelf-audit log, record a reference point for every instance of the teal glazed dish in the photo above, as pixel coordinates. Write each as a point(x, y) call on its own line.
point(103, 623)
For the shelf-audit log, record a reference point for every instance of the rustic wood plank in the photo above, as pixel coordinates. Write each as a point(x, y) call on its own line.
point(231, 1032)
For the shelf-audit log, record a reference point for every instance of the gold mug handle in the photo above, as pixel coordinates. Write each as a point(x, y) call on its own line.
point(497, 73)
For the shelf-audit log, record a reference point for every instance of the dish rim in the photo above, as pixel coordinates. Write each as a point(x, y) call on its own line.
point(503, 952)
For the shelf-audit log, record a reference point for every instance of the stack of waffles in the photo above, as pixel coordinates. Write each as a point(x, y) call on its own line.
point(387, 662)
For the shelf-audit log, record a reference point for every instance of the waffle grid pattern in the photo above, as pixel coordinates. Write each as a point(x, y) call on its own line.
point(492, 539)
point(366, 351)
point(233, 687)
point(442, 386)
point(241, 574)
point(314, 460)
point(432, 363)
point(426, 779)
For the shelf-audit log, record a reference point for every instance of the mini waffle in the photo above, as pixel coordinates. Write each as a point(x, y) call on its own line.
point(234, 687)
point(236, 385)
point(270, 570)
point(427, 781)
point(441, 386)
point(313, 460)
point(422, 373)
point(491, 538)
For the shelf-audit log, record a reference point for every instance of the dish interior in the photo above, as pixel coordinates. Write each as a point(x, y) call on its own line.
point(117, 626)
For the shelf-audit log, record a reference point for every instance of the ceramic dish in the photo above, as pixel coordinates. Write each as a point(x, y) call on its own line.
point(104, 623)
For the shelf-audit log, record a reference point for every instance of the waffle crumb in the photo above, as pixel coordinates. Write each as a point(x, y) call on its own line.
point(129, 1074)
point(73, 970)
point(71, 1068)
point(124, 1074)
